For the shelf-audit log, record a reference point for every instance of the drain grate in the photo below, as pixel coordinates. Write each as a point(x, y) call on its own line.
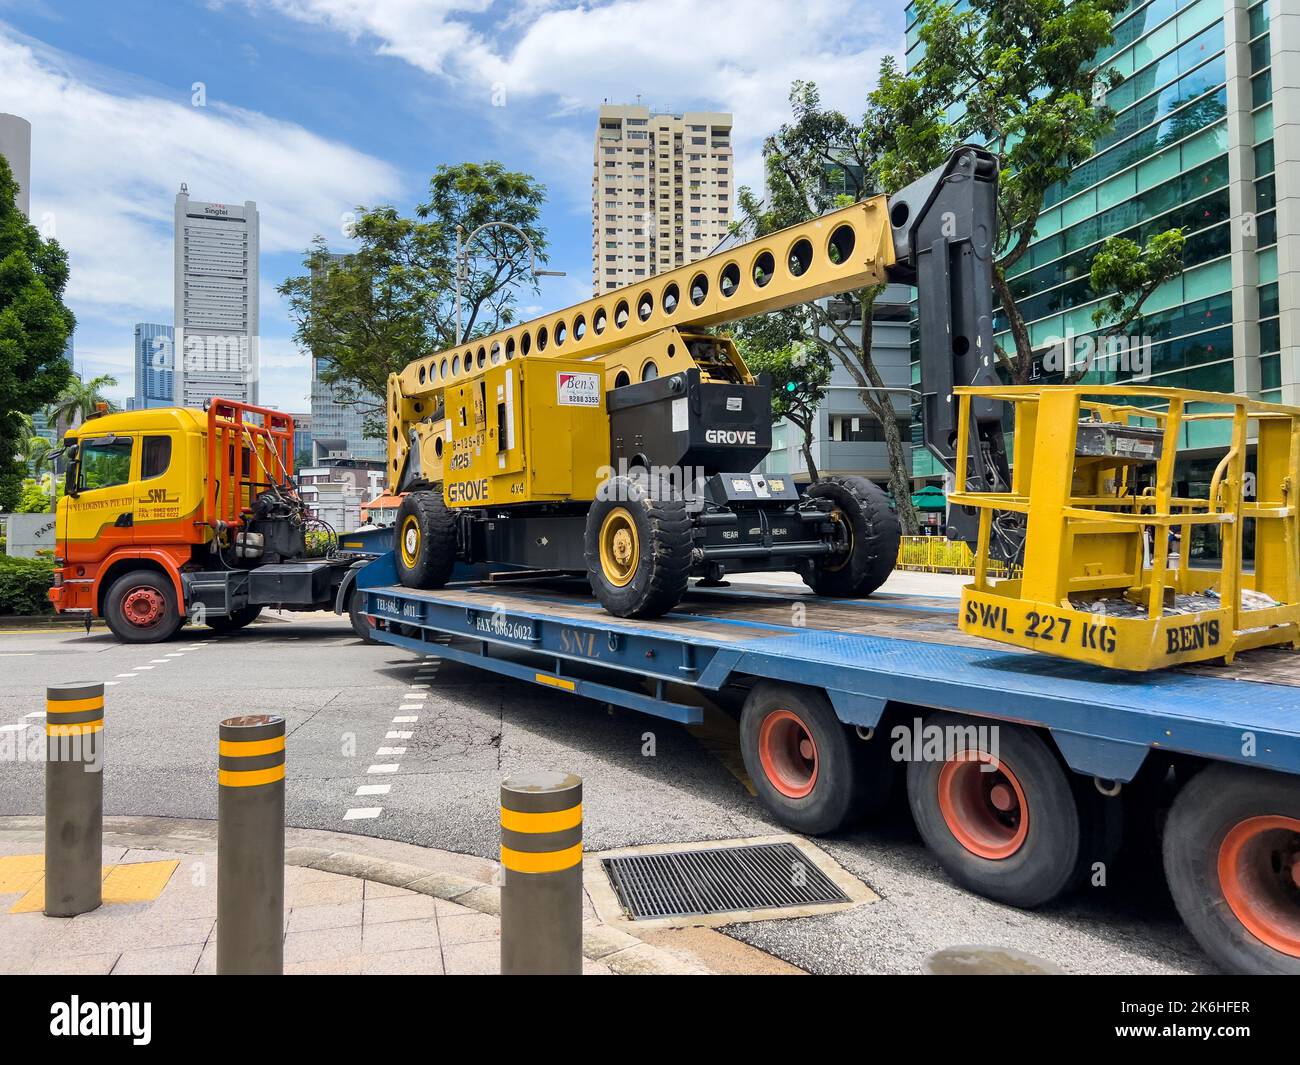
point(691, 883)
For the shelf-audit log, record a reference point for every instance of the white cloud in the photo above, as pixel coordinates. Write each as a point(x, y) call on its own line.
point(107, 161)
point(675, 54)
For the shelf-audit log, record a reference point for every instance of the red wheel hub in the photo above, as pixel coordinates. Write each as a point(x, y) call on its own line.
point(788, 754)
point(1259, 874)
point(143, 606)
point(983, 805)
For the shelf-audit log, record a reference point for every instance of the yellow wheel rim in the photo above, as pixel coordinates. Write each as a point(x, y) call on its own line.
point(620, 547)
point(837, 516)
point(410, 541)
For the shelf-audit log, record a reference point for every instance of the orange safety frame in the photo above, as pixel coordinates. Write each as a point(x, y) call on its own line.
point(250, 449)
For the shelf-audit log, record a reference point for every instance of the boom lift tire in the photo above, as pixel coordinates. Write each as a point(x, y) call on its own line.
point(361, 623)
point(236, 619)
point(638, 550)
point(1232, 862)
point(426, 540)
point(803, 761)
point(1015, 834)
point(872, 530)
point(140, 607)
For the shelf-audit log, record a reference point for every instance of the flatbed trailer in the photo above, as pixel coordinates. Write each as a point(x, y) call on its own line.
point(1020, 767)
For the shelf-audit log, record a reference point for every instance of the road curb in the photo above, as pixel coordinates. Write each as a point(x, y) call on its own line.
point(346, 855)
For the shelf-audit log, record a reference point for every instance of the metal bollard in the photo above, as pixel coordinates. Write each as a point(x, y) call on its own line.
point(74, 798)
point(541, 860)
point(250, 846)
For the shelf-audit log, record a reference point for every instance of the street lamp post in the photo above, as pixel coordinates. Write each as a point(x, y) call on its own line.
point(462, 260)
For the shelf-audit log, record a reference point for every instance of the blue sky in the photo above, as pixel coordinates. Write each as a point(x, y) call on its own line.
point(311, 107)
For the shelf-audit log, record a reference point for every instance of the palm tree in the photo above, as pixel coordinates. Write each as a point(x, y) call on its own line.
point(79, 400)
point(32, 449)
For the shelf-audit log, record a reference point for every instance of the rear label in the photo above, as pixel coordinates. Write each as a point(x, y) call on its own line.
point(577, 389)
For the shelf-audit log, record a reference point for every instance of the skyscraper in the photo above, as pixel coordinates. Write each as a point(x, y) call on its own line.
point(16, 147)
point(661, 191)
point(216, 309)
point(155, 366)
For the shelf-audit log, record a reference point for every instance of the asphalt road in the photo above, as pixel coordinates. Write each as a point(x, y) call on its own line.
point(340, 699)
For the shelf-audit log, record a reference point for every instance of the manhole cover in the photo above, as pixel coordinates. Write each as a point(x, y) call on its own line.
point(692, 883)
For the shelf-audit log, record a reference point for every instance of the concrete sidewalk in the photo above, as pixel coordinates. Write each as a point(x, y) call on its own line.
point(353, 904)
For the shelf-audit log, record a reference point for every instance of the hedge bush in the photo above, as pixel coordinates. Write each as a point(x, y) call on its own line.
point(25, 585)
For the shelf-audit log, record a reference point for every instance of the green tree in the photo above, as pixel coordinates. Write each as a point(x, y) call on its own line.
point(800, 373)
point(33, 450)
point(78, 400)
point(1024, 73)
point(1129, 273)
point(391, 301)
point(818, 161)
point(33, 499)
point(34, 330)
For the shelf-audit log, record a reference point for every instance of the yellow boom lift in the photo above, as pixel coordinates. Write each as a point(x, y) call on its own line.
point(619, 439)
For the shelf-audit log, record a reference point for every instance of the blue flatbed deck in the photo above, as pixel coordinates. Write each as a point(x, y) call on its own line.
point(866, 654)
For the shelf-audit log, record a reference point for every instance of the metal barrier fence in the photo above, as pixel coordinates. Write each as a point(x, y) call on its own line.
point(938, 554)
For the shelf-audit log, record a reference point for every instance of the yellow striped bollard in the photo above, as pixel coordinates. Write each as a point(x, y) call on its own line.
point(250, 846)
point(74, 798)
point(541, 860)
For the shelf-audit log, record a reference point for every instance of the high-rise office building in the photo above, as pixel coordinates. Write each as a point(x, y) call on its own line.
point(661, 191)
point(16, 147)
point(1204, 139)
point(216, 278)
point(155, 366)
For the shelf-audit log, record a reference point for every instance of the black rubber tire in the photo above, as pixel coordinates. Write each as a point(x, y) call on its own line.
point(230, 622)
point(663, 528)
point(874, 532)
point(425, 560)
point(1057, 842)
point(361, 623)
point(840, 789)
point(1212, 804)
point(168, 621)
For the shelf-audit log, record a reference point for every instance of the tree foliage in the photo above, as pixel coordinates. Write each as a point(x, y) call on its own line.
point(391, 300)
point(1024, 74)
point(818, 161)
point(800, 372)
point(34, 329)
point(79, 399)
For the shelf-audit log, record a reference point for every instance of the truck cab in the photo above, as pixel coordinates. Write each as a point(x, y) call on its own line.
point(175, 515)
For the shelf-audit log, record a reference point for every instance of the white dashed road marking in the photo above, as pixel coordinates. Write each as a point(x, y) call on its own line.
point(365, 813)
point(390, 768)
point(390, 752)
point(374, 789)
point(397, 735)
point(408, 719)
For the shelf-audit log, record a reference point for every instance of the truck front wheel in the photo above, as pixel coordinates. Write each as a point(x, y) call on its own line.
point(1232, 862)
point(141, 607)
point(426, 541)
point(361, 623)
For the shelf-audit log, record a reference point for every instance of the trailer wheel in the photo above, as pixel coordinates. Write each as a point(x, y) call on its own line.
point(1003, 820)
point(803, 761)
point(869, 532)
point(140, 607)
point(638, 550)
point(426, 541)
point(361, 623)
point(1232, 862)
point(235, 620)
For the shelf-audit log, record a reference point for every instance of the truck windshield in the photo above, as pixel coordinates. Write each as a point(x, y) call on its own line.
point(105, 463)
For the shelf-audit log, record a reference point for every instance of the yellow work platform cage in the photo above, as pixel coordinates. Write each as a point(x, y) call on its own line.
point(1094, 477)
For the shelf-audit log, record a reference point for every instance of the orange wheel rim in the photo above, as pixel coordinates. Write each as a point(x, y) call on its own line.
point(788, 754)
point(983, 805)
point(1259, 875)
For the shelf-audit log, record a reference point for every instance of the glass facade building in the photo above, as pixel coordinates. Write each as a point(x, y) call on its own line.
point(1204, 139)
point(155, 366)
